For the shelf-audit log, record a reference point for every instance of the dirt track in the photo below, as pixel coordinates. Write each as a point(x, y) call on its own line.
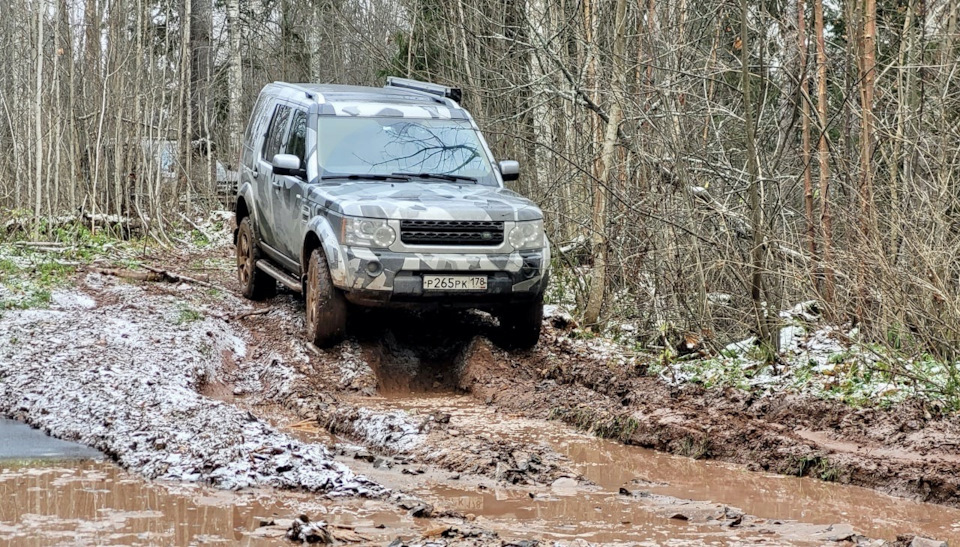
point(909, 451)
point(473, 436)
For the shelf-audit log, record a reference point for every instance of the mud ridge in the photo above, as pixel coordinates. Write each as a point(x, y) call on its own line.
point(426, 440)
point(432, 440)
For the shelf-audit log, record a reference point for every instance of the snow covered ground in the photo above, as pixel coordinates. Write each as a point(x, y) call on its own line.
point(815, 358)
point(124, 376)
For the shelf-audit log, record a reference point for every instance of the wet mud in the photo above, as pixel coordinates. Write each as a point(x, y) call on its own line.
point(908, 451)
point(437, 366)
point(626, 492)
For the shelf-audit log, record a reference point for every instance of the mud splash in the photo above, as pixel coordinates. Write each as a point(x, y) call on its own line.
point(416, 352)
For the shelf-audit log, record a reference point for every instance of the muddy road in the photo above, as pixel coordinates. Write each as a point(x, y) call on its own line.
point(419, 429)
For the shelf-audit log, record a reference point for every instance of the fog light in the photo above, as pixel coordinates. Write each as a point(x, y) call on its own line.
point(530, 268)
point(374, 268)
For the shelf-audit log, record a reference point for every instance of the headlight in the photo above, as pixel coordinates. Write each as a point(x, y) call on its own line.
point(527, 235)
point(367, 232)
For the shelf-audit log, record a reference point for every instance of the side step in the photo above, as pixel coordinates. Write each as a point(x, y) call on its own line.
point(284, 279)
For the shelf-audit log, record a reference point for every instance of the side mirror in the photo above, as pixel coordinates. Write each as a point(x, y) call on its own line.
point(509, 170)
point(287, 165)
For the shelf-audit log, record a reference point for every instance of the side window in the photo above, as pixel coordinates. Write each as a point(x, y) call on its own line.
point(254, 119)
point(251, 137)
point(297, 141)
point(278, 127)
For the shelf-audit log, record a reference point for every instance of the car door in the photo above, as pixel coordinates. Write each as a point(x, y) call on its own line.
point(287, 214)
point(267, 184)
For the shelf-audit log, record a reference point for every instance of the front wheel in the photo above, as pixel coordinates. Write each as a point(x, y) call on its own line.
point(326, 305)
point(520, 325)
point(254, 284)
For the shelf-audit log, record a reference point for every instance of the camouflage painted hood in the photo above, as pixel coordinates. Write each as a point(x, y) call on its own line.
point(428, 200)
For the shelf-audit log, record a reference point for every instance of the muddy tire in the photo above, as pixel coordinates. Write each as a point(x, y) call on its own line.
point(520, 325)
point(326, 305)
point(254, 284)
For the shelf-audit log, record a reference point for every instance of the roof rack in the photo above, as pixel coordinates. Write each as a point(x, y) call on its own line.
point(453, 93)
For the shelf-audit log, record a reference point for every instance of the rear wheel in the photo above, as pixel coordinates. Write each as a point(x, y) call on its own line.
point(254, 284)
point(520, 325)
point(326, 305)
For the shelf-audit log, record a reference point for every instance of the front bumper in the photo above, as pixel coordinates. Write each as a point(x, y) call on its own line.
point(375, 277)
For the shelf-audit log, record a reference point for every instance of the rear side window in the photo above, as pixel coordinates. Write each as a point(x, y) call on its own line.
point(254, 120)
point(297, 141)
point(251, 137)
point(278, 126)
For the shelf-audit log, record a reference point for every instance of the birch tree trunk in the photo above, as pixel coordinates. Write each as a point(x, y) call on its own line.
point(186, 101)
point(542, 121)
point(823, 157)
point(234, 81)
point(868, 82)
point(38, 115)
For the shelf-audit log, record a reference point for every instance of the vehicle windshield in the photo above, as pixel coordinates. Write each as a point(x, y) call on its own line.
point(387, 146)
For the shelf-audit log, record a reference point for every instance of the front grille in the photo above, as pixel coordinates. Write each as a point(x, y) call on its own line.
point(451, 232)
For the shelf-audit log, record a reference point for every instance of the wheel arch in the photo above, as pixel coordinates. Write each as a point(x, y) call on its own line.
point(244, 208)
point(320, 235)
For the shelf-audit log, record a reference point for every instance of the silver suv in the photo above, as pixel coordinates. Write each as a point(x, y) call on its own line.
point(384, 197)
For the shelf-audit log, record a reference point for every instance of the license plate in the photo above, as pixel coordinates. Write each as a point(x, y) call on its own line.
point(454, 282)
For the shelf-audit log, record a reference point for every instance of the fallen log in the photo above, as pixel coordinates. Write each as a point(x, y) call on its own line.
point(172, 277)
point(127, 274)
point(45, 249)
point(251, 314)
point(156, 275)
point(123, 225)
point(50, 244)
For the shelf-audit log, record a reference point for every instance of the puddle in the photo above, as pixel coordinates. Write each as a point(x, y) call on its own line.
point(19, 441)
point(871, 513)
point(594, 517)
point(95, 502)
point(92, 502)
point(607, 515)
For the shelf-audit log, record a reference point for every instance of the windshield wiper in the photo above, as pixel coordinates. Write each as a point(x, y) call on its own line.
point(439, 176)
point(367, 177)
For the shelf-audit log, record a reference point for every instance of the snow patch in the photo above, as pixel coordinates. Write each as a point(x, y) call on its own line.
point(71, 300)
point(815, 358)
point(125, 379)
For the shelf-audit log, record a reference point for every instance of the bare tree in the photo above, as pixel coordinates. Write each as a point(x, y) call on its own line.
point(823, 158)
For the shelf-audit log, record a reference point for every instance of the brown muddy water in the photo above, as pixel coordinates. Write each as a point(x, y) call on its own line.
point(96, 503)
point(44, 502)
point(599, 513)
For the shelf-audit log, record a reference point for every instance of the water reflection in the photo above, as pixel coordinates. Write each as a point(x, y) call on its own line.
point(88, 502)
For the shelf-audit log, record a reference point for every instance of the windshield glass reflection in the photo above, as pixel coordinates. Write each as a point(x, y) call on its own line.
point(383, 146)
